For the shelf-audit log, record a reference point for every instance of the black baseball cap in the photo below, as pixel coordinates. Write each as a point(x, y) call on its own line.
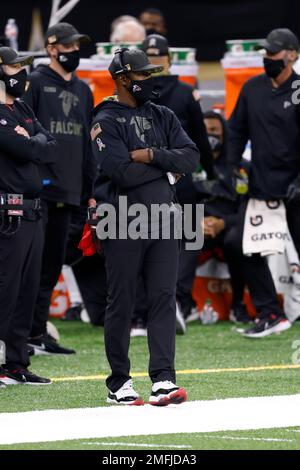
point(133, 60)
point(64, 33)
point(279, 40)
point(155, 45)
point(9, 56)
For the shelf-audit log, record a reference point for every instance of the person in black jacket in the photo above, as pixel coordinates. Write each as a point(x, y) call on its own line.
point(24, 146)
point(267, 115)
point(64, 105)
point(183, 100)
point(138, 144)
point(221, 203)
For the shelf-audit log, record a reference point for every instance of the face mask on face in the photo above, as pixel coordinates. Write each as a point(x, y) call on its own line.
point(142, 90)
point(15, 85)
point(69, 60)
point(214, 142)
point(273, 68)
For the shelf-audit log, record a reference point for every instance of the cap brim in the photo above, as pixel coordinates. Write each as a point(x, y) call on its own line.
point(73, 38)
point(273, 48)
point(22, 60)
point(149, 68)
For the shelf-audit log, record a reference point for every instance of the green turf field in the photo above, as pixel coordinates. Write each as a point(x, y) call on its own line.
point(215, 347)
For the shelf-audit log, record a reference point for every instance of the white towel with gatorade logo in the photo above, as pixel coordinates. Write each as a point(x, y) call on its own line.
point(265, 228)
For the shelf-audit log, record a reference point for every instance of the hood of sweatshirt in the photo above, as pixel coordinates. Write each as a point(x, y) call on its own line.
point(164, 86)
point(48, 72)
point(112, 103)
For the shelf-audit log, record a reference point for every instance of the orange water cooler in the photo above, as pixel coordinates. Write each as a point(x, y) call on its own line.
point(94, 71)
point(240, 63)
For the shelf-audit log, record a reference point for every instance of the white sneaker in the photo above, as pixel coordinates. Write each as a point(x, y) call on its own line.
point(167, 393)
point(126, 395)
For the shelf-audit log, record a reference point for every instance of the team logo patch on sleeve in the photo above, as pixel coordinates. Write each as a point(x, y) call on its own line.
point(96, 130)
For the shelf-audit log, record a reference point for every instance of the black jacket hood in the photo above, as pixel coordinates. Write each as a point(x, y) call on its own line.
point(47, 71)
point(164, 85)
point(220, 163)
point(112, 103)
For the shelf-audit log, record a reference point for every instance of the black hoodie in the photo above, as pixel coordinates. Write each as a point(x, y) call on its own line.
point(222, 199)
point(269, 118)
point(183, 99)
point(119, 129)
point(64, 108)
point(21, 157)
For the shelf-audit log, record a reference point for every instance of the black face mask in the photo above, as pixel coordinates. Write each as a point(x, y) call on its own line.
point(142, 90)
point(273, 67)
point(15, 85)
point(69, 60)
point(214, 142)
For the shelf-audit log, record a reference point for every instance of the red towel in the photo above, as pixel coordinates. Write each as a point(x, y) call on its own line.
point(87, 244)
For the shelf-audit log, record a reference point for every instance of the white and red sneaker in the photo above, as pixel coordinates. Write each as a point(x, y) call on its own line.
point(5, 380)
point(126, 395)
point(167, 393)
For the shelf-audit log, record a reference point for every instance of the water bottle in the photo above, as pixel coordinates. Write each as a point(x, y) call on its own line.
point(242, 182)
point(208, 315)
point(11, 33)
point(199, 174)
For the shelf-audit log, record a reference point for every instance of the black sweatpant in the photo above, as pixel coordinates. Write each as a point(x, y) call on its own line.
point(20, 266)
point(56, 223)
point(157, 262)
point(89, 271)
point(91, 277)
point(293, 219)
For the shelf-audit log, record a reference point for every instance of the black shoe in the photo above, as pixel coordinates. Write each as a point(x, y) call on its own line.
point(73, 313)
point(266, 327)
point(239, 314)
point(47, 345)
point(24, 376)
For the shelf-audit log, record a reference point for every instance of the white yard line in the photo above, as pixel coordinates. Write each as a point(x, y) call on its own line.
point(234, 438)
point(193, 417)
point(131, 444)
